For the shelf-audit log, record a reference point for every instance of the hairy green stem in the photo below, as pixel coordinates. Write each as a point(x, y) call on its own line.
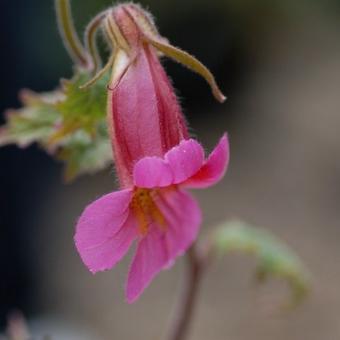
point(68, 32)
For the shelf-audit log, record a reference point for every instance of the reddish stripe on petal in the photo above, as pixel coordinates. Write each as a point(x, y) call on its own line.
point(127, 25)
point(144, 116)
point(173, 126)
point(133, 113)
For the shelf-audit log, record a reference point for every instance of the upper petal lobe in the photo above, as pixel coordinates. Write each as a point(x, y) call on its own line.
point(185, 159)
point(179, 164)
point(151, 172)
point(214, 167)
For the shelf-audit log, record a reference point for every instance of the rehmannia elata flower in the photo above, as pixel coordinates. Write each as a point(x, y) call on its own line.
point(155, 159)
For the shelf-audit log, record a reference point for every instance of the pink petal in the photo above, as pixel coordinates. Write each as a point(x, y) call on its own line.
point(145, 118)
point(159, 248)
point(105, 231)
point(149, 259)
point(180, 163)
point(183, 216)
point(213, 169)
point(133, 116)
point(152, 172)
point(185, 160)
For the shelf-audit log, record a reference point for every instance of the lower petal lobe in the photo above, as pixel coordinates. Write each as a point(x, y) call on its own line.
point(105, 231)
point(160, 247)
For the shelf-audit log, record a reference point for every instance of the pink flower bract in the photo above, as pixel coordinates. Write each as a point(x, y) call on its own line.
point(156, 212)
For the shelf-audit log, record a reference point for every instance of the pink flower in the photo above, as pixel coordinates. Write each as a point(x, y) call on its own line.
point(156, 211)
point(143, 113)
point(154, 158)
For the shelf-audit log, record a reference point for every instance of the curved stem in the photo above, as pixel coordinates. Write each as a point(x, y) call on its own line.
point(69, 34)
point(184, 313)
point(90, 40)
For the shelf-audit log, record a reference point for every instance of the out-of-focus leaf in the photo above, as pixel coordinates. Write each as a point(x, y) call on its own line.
point(274, 258)
point(83, 154)
point(81, 108)
point(35, 121)
point(69, 123)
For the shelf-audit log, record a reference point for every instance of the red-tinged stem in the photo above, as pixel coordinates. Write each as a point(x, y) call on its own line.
point(188, 298)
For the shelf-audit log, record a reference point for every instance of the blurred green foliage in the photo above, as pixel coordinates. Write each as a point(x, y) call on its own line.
point(274, 257)
point(68, 122)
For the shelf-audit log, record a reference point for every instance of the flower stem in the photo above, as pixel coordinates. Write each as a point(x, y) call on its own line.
point(184, 313)
point(68, 32)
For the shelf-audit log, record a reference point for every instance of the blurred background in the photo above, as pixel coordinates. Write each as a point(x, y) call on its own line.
point(279, 64)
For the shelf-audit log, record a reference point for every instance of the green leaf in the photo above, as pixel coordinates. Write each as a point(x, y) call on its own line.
point(68, 123)
point(83, 154)
point(274, 258)
point(83, 107)
point(36, 121)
